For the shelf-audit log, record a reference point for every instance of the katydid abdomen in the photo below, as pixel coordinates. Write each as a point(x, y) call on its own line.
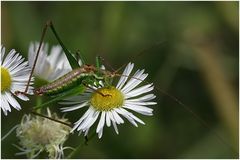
point(67, 82)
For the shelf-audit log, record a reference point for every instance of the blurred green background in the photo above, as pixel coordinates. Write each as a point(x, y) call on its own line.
point(189, 49)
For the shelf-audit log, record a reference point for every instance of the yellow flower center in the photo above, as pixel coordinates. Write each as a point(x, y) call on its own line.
point(5, 79)
point(107, 98)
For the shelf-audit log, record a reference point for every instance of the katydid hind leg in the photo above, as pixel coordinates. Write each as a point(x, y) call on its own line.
point(74, 64)
point(35, 60)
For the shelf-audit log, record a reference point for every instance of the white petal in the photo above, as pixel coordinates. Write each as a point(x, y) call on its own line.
point(117, 118)
point(125, 75)
point(94, 118)
point(124, 113)
point(115, 127)
point(143, 98)
point(54, 55)
point(49, 66)
point(12, 101)
point(100, 133)
point(140, 109)
point(5, 105)
point(75, 107)
point(137, 119)
point(2, 53)
point(8, 58)
point(76, 124)
point(139, 91)
point(137, 78)
point(101, 122)
point(15, 62)
point(22, 97)
point(89, 121)
point(86, 132)
point(113, 122)
point(86, 121)
point(108, 121)
point(140, 103)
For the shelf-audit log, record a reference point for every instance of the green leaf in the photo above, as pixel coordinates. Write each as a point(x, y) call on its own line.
point(75, 91)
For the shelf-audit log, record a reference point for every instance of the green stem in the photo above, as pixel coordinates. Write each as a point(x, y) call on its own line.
point(38, 103)
point(74, 153)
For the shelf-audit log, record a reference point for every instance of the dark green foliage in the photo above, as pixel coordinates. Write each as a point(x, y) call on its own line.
point(197, 63)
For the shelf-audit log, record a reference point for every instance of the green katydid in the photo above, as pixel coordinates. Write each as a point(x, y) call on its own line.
point(72, 83)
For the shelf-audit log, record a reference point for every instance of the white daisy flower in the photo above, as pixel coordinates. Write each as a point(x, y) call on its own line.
point(14, 77)
point(116, 103)
point(49, 66)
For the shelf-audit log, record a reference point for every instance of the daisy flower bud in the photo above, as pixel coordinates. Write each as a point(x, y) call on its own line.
point(38, 134)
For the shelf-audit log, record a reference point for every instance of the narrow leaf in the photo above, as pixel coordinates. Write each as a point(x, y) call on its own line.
point(75, 91)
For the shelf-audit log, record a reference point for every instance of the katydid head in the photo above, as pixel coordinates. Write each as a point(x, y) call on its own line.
point(38, 91)
point(89, 68)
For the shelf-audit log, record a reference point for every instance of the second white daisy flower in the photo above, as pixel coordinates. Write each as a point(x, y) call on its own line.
point(49, 66)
